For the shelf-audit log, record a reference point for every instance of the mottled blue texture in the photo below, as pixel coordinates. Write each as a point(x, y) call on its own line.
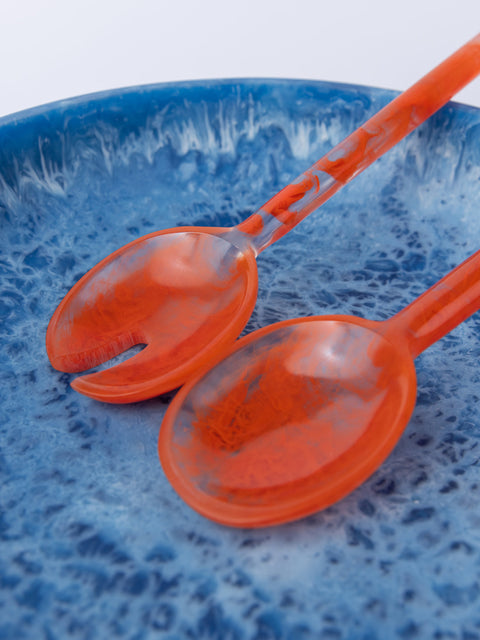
point(94, 543)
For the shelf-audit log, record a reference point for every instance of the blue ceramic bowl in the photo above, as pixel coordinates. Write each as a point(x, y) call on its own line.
point(94, 543)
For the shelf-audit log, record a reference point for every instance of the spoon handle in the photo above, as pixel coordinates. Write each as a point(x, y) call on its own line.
point(440, 309)
point(361, 148)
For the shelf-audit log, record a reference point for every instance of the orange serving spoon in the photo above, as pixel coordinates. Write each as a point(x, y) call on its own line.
point(300, 413)
point(188, 292)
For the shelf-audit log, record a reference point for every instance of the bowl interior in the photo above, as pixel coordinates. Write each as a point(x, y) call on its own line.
point(94, 538)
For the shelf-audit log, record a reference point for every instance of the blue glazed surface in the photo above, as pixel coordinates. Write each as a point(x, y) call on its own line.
point(94, 543)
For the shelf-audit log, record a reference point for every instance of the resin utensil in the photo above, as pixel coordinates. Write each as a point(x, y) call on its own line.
point(186, 293)
point(300, 413)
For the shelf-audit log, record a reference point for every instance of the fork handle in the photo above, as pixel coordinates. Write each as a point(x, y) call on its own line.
point(361, 148)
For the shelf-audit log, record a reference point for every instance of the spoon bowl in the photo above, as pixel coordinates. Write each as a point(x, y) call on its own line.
point(294, 418)
point(182, 293)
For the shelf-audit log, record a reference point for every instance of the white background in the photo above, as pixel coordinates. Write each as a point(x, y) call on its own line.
point(54, 49)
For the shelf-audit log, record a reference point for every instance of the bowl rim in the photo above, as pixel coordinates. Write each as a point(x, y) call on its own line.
point(64, 104)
